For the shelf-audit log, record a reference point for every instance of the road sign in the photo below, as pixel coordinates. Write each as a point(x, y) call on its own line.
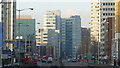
point(114, 53)
point(8, 55)
point(17, 44)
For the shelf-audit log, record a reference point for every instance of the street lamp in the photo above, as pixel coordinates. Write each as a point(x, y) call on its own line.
point(19, 28)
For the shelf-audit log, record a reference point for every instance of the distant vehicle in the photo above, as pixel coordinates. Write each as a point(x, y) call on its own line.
point(78, 60)
point(43, 60)
point(50, 59)
point(29, 59)
point(69, 59)
point(74, 60)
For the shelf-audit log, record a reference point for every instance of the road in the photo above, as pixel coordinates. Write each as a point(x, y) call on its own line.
point(56, 63)
point(65, 63)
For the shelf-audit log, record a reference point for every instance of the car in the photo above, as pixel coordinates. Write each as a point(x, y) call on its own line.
point(50, 59)
point(74, 60)
point(43, 60)
point(69, 60)
point(39, 59)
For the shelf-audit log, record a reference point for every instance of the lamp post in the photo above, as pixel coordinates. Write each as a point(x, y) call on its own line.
point(19, 28)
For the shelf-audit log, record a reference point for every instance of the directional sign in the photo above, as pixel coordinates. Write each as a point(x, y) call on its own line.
point(114, 53)
point(8, 55)
point(16, 45)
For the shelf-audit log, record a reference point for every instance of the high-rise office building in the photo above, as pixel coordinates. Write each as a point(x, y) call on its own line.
point(49, 34)
point(8, 12)
point(8, 19)
point(25, 31)
point(71, 36)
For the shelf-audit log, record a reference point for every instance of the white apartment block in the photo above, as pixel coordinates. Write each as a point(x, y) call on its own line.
point(48, 36)
point(107, 9)
point(52, 19)
point(100, 10)
point(95, 20)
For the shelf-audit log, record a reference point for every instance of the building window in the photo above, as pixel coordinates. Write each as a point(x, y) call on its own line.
point(37, 38)
point(48, 22)
point(96, 6)
point(53, 22)
point(38, 43)
point(103, 14)
point(103, 3)
point(45, 34)
point(45, 40)
point(45, 37)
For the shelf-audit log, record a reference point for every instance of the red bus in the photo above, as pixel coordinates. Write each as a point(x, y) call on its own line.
point(29, 58)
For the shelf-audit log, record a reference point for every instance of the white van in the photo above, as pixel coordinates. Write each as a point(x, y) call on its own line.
point(50, 59)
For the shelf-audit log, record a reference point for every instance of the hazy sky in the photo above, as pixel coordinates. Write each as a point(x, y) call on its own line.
point(67, 7)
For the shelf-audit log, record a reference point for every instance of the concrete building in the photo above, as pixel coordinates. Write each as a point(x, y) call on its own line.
point(107, 10)
point(47, 42)
point(71, 36)
point(95, 19)
point(41, 46)
point(52, 23)
point(85, 41)
point(100, 10)
point(52, 19)
point(8, 19)
point(116, 50)
point(108, 34)
point(49, 34)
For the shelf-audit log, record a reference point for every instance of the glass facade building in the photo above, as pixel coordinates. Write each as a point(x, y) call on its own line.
point(71, 36)
point(25, 30)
